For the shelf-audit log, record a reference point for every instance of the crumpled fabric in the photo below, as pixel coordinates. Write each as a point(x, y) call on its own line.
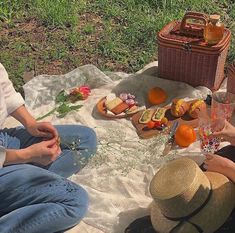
point(117, 180)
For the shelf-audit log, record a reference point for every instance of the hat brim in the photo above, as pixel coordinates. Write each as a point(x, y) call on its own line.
point(210, 218)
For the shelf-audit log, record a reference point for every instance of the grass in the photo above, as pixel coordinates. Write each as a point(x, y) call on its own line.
point(56, 36)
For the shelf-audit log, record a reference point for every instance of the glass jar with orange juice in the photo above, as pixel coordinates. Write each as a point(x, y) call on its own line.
point(214, 30)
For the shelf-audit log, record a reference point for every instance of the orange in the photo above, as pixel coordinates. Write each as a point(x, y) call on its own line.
point(164, 121)
point(157, 95)
point(185, 135)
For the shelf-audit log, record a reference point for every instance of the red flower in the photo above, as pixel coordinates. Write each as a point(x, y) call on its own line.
point(85, 91)
point(80, 93)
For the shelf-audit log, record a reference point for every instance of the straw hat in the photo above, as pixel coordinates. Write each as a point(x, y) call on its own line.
point(187, 200)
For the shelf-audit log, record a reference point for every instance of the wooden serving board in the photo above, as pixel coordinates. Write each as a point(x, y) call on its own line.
point(144, 132)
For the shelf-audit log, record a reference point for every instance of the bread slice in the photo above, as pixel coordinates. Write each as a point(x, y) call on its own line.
point(159, 114)
point(146, 116)
point(120, 108)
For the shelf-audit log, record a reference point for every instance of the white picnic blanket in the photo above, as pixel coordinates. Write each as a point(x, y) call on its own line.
point(118, 177)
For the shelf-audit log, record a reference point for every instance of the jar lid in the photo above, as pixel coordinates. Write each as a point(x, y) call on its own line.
point(214, 18)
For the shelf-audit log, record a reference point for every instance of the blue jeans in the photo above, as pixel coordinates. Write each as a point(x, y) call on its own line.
point(36, 199)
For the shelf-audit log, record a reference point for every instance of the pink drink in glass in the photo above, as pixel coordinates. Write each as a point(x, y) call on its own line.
point(223, 104)
point(208, 143)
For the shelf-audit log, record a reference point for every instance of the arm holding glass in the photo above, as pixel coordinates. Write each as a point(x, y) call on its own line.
point(218, 163)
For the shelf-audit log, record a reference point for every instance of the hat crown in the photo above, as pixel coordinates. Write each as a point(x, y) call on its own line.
point(179, 188)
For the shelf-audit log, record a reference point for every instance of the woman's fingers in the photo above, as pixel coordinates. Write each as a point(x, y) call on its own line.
point(59, 150)
point(45, 134)
point(55, 152)
point(206, 162)
point(48, 128)
point(50, 143)
point(209, 156)
point(205, 166)
point(217, 134)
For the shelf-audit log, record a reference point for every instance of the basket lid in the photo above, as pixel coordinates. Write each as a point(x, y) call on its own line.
point(181, 32)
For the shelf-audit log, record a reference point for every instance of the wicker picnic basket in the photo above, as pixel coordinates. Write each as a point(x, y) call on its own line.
point(184, 56)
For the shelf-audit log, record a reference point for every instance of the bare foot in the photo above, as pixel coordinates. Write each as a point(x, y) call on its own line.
point(216, 163)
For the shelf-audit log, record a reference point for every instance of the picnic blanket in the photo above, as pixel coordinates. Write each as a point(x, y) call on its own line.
point(117, 178)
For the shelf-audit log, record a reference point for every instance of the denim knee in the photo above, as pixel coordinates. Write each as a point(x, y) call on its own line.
point(79, 204)
point(89, 149)
point(51, 201)
point(92, 139)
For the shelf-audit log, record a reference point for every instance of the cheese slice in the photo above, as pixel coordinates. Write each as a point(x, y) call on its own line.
point(113, 103)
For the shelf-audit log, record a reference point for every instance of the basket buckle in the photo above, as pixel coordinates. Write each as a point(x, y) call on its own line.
point(187, 47)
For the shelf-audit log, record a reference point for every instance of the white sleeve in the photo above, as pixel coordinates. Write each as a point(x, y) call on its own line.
point(2, 156)
point(12, 98)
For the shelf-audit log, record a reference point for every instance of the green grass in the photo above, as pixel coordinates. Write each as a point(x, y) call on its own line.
point(58, 12)
point(57, 36)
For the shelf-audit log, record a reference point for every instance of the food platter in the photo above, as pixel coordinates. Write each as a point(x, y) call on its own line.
point(144, 132)
point(100, 106)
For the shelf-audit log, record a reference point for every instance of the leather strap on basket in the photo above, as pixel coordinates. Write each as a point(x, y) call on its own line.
point(193, 29)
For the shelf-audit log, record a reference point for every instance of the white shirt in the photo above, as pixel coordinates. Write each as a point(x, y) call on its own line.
point(10, 100)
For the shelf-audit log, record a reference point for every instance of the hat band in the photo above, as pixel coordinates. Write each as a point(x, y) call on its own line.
point(186, 218)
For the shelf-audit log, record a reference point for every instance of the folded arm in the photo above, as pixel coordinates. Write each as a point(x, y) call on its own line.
point(12, 99)
point(42, 153)
point(23, 116)
point(16, 156)
point(12, 104)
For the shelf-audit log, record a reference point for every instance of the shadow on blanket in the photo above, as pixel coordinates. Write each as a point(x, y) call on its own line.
point(138, 84)
point(125, 219)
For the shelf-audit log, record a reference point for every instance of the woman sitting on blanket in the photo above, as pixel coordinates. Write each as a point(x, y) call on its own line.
point(223, 162)
point(224, 165)
point(34, 192)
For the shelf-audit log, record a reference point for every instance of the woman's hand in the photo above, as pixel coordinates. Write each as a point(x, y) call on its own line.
point(42, 129)
point(43, 152)
point(37, 129)
point(216, 163)
point(227, 133)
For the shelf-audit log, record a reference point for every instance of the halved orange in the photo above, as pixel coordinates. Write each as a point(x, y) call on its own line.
point(157, 96)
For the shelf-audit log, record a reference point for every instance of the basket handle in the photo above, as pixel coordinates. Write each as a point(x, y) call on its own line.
point(191, 29)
